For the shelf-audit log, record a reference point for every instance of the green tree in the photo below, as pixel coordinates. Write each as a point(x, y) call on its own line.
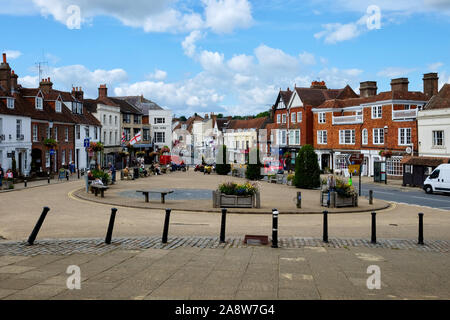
point(307, 171)
point(254, 166)
point(263, 114)
point(220, 115)
point(222, 166)
point(183, 118)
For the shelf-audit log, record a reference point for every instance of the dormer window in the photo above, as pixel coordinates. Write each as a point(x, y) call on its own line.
point(10, 103)
point(58, 106)
point(39, 103)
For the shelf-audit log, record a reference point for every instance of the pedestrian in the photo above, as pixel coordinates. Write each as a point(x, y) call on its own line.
point(1, 176)
point(112, 171)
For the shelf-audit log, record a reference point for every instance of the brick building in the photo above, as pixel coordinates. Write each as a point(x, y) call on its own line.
point(382, 126)
point(292, 116)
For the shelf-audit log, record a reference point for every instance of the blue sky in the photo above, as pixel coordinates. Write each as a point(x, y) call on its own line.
point(228, 56)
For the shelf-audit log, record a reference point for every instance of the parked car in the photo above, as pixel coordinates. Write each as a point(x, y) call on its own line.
point(273, 167)
point(439, 180)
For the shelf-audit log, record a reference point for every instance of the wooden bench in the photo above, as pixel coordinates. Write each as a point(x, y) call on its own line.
point(98, 188)
point(163, 194)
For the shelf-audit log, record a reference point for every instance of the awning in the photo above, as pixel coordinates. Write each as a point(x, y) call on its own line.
point(143, 145)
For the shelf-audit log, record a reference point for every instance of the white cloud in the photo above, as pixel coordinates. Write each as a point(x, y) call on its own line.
point(271, 59)
point(223, 16)
point(337, 32)
point(12, 54)
point(435, 66)
point(158, 75)
point(339, 78)
point(212, 61)
point(65, 77)
point(241, 63)
point(394, 72)
point(189, 43)
point(307, 58)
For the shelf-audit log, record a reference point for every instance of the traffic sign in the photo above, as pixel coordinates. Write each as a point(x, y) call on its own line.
point(87, 143)
point(354, 169)
point(52, 152)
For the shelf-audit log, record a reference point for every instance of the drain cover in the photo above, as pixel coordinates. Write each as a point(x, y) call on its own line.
point(256, 240)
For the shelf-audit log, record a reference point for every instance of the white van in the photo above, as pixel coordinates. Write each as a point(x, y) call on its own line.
point(439, 180)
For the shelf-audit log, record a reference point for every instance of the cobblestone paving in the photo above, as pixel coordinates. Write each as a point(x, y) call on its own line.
point(97, 246)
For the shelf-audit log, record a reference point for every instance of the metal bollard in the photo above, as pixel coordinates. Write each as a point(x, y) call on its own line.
point(325, 226)
point(299, 200)
point(48, 178)
point(25, 182)
point(421, 229)
point(374, 228)
point(166, 226)
point(274, 228)
point(223, 225)
point(38, 226)
point(370, 196)
point(110, 226)
point(78, 172)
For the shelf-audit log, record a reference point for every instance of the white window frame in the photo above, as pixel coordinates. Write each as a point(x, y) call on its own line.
point(278, 118)
point(283, 118)
point(10, 103)
point(160, 137)
point(378, 135)
point(47, 159)
point(403, 135)
point(365, 136)
point(78, 132)
point(322, 117)
point(297, 137)
point(56, 133)
point(343, 136)
point(322, 137)
point(35, 133)
point(435, 138)
point(299, 117)
point(291, 137)
point(58, 106)
point(39, 103)
point(377, 112)
point(66, 134)
point(293, 117)
point(18, 128)
point(159, 120)
point(63, 157)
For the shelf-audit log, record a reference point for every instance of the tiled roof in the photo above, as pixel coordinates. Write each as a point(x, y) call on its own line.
point(141, 103)
point(440, 100)
point(125, 107)
point(425, 161)
point(257, 123)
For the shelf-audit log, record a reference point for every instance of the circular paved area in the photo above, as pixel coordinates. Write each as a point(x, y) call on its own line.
point(193, 192)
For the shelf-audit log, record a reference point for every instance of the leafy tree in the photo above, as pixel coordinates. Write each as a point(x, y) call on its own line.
point(307, 171)
point(220, 115)
point(253, 171)
point(222, 167)
point(263, 114)
point(183, 118)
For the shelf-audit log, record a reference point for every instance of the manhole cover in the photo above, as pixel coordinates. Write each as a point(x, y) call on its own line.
point(256, 240)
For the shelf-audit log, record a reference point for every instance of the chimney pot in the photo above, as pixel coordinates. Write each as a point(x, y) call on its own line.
point(400, 84)
point(4, 58)
point(368, 89)
point(430, 84)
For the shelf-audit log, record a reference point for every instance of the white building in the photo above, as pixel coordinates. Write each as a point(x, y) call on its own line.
point(434, 125)
point(161, 128)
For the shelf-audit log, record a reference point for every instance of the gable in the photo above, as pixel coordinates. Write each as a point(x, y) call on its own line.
point(295, 101)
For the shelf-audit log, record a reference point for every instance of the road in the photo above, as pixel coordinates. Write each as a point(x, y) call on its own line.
point(414, 196)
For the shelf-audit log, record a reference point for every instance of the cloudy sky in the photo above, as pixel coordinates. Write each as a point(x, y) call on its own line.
point(229, 56)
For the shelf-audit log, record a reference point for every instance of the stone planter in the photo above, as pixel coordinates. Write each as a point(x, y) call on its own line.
point(221, 200)
point(337, 201)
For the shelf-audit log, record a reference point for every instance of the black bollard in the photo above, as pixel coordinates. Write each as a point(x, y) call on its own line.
point(166, 226)
point(78, 172)
point(38, 226)
point(421, 229)
point(325, 226)
point(274, 228)
point(223, 225)
point(48, 178)
point(110, 226)
point(25, 182)
point(299, 200)
point(374, 228)
point(370, 196)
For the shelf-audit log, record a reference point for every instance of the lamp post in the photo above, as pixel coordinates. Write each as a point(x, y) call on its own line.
point(385, 149)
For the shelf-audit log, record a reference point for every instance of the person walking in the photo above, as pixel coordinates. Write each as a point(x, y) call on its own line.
point(112, 171)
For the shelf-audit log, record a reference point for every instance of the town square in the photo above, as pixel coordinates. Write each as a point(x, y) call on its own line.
point(260, 173)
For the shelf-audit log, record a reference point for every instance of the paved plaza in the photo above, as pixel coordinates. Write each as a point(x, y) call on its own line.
point(195, 265)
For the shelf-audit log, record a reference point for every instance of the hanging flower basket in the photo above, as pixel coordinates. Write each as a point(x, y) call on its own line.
point(96, 147)
point(50, 143)
point(386, 154)
point(165, 149)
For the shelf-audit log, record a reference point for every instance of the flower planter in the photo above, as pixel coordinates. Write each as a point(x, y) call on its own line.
point(221, 200)
point(337, 201)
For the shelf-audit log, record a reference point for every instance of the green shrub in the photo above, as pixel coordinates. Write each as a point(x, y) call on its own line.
point(222, 167)
point(307, 171)
point(232, 188)
point(253, 171)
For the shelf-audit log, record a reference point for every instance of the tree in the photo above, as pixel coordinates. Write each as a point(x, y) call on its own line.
point(222, 167)
point(263, 114)
point(183, 118)
point(220, 115)
point(307, 171)
point(253, 171)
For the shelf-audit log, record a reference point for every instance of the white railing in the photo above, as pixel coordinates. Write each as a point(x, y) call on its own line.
point(404, 114)
point(348, 119)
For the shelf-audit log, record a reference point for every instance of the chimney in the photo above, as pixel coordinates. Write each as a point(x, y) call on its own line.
point(78, 93)
point(102, 91)
point(14, 78)
point(400, 84)
point(318, 85)
point(430, 84)
point(368, 89)
point(206, 116)
point(5, 75)
point(46, 85)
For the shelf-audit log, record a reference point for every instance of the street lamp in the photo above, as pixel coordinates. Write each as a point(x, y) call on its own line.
point(385, 149)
